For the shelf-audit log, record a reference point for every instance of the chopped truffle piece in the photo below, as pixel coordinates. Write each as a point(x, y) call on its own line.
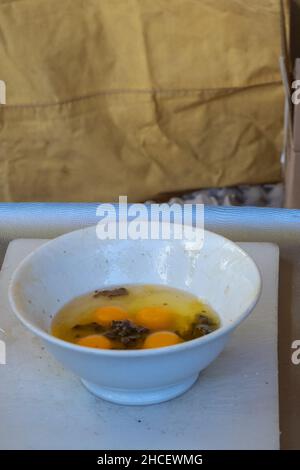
point(126, 332)
point(200, 327)
point(110, 293)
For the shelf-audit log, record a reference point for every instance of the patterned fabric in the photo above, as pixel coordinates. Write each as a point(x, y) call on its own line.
point(268, 195)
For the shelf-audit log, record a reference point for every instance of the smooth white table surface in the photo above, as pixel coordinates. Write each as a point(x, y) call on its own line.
point(234, 404)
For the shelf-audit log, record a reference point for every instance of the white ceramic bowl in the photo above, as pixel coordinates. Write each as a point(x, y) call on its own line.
point(221, 273)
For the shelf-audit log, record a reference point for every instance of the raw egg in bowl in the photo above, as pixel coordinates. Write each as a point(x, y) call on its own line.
point(136, 320)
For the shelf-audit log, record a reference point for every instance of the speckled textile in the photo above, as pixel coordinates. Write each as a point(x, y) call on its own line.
point(268, 195)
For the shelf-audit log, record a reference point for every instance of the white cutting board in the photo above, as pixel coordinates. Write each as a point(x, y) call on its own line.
point(234, 404)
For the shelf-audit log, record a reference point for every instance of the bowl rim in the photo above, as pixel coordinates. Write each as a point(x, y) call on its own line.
point(134, 353)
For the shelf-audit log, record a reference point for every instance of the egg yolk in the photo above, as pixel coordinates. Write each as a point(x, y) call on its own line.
point(95, 341)
point(161, 339)
point(106, 315)
point(154, 318)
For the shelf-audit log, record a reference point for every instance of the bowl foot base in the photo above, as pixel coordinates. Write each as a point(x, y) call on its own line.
point(140, 397)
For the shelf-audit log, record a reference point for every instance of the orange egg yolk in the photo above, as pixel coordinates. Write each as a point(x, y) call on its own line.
point(154, 318)
point(95, 341)
point(161, 339)
point(105, 315)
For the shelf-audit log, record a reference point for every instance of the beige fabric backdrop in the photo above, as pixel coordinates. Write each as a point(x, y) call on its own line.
point(137, 97)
